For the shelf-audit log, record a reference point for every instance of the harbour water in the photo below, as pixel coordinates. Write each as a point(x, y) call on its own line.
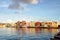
point(27, 33)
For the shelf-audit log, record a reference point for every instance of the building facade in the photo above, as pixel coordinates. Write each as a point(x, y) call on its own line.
point(54, 24)
point(23, 23)
point(32, 24)
point(38, 24)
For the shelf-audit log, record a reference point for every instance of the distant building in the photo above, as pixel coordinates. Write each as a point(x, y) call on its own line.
point(8, 25)
point(28, 24)
point(42, 24)
point(38, 24)
point(2, 25)
point(32, 24)
point(12, 24)
point(48, 24)
point(23, 23)
point(54, 24)
point(18, 24)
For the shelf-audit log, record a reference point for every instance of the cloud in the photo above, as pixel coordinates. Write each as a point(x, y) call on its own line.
point(26, 1)
point(16, 4)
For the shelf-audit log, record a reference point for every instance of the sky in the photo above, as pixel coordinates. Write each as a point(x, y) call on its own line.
point(29, 10)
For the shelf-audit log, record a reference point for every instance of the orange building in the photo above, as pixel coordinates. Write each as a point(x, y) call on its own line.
point(37, 24)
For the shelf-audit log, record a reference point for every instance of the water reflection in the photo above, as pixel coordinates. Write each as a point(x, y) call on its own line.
point(54, 31)
point(27, 33)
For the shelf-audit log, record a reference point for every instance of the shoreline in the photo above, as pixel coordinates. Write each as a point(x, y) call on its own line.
point(37, 27)
point(43, 27)
point(34, 27)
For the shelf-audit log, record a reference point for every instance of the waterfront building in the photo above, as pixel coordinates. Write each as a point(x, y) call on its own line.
point(37, 24)
point(12, 24)
point(18, 24)
point(8, 25)
point(32, 23)
point(54, 24)
point(23, 23)
point(47, 24)
point(42, 24)
point(2, 25)
point(27, 24)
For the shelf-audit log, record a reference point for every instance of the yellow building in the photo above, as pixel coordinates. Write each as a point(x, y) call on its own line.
point(48, 24)
point(54, 24)
point(12, 24)
point(2, 25)
point(42, 24)
point(32, 24)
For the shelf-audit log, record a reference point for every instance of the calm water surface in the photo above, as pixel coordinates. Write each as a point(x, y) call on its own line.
point(27, 33)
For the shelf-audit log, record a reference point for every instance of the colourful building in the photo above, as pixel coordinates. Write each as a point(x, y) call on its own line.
point(42, 24)
point(54, 24)
point(48, 24)
point(28, 24)
point(18, 24)
point(37, 24)
point(32, 24)
point(12, 24)
point(23, 23)
point(2, 25)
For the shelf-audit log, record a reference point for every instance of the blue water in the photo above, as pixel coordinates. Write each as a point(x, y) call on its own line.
point(27, 33)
